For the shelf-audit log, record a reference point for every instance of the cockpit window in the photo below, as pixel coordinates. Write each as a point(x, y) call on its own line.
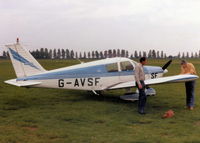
point(112, 67)
point(126, 66)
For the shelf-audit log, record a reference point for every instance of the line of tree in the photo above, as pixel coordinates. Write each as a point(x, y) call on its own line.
point(44, 53)
point(5, 55)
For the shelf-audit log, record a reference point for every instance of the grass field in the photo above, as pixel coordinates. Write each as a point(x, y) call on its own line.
point(67, 116)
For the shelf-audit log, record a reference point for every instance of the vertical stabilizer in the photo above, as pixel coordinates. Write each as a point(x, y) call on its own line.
point(23, 62)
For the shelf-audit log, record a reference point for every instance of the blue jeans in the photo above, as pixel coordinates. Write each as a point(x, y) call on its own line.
point(190, 86)
point(142, 96)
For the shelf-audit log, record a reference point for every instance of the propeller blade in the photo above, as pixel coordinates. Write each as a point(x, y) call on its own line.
point(167, 64)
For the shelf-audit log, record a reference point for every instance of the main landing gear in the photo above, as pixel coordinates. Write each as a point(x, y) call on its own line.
point(133, 96)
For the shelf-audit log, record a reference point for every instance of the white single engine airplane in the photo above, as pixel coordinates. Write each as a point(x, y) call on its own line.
point(105, 74)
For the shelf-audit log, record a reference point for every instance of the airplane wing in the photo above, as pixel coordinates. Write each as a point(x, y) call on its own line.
point(168, 79)
point(21, 83)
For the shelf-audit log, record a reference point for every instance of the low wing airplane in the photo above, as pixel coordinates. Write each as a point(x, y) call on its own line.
point(105, 74)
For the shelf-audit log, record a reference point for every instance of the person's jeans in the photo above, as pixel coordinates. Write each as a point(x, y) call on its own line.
point(190, 86)
point(142, 96)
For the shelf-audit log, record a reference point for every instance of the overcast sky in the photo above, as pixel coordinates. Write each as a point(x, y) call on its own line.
point(85, 25)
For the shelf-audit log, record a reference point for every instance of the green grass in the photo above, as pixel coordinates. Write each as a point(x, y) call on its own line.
point(38, 115)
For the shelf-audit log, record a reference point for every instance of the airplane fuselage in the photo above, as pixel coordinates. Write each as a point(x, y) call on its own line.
point(96, 75)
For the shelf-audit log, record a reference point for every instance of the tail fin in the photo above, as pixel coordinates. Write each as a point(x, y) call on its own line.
point(23, 62)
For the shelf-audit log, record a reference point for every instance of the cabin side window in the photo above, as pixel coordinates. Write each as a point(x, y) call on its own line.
point(112, 67)
point(126, 66)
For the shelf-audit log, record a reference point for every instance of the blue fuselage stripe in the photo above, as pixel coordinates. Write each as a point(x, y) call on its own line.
point(93, 71)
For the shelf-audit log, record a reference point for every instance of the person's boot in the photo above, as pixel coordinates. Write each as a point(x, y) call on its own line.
point(141, 111)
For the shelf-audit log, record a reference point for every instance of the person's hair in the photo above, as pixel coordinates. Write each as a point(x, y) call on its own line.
point(143, 59)
point(183, 62)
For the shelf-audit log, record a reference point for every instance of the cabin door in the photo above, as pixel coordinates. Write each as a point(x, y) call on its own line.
point(126, 71)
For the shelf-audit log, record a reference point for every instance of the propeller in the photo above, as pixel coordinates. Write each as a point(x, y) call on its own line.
point(167, 64)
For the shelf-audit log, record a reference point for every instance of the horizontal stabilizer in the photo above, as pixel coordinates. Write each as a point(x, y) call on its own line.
point(168, 79)
point(22, 83)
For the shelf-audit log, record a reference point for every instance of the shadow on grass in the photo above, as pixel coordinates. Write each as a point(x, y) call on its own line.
point(15, 104)
point(50, 97)
point(32, 97)
point(107, 97)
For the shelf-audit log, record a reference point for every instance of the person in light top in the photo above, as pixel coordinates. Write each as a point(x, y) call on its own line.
point(188, 68)
point(139, 78)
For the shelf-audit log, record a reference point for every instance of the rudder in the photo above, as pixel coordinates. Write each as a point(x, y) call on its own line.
point(23, 62)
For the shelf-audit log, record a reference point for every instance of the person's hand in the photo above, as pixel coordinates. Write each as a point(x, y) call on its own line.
point(140, 86)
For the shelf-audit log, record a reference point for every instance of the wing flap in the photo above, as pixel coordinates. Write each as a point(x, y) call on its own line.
point(168, 79)
point(22, 83)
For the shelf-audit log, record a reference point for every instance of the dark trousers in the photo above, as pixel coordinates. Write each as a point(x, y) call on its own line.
point(142, 96)
point(190, 86)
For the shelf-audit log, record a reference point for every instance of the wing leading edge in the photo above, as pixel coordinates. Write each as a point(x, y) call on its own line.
point(168, 79)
